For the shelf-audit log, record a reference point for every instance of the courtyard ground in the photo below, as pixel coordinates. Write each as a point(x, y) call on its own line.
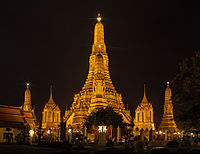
point(61, 149)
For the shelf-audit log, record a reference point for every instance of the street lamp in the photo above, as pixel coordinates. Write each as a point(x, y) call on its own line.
point(31, 132)
point(70, 135)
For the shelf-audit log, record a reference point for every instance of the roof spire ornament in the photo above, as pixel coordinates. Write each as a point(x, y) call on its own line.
point(99, 18)
point(144, 90)
point(51, 101)
point(51, 92)
point(167, 84)
point(144, 100)
point(27, 85)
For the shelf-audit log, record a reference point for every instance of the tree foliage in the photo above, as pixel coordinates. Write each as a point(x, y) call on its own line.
point(186, 91)
point(105, 116)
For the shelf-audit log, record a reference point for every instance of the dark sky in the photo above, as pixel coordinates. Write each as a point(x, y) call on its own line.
point(49, 42)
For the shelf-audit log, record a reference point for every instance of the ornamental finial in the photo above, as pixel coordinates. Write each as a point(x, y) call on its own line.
point(27, 85)
point(99, 17)
point(167, 83)
point(144, 90)
point(51, 92)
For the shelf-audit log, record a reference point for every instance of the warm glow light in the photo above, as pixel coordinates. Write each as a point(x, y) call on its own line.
point(153, 127)
point(48, 132)
point(160, 132)
point(168, 82)
point(70, 130)
point(99, 46)
point(98, 19)
point(27, 84)
point(102, 128)
point(31, 133)
point(179, 133)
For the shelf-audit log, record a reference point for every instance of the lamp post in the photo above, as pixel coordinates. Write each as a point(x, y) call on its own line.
point(70, 135)
point(31, 133)
point(49, 134)
point(153, 132)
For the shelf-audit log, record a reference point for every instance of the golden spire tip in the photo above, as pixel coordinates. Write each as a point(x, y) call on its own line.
point(51, 91)
point(167, 83)
point(27, 84)
point(144, 90)
point(99, 17)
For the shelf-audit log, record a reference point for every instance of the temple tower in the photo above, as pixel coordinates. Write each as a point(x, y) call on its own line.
point(27, 99)
point(51, 115)
point(144, 115)
point(168, 122)
point(98, 90)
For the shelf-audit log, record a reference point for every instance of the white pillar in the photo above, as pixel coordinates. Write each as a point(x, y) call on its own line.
point(118, 133)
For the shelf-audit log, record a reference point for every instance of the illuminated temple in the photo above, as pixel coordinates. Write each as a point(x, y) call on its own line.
point(144, 115)
point(168, 122)
point(51, 115)
point(98, 90)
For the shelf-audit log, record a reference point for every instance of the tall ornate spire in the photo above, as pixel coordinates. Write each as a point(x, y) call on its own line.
point(27, 99)
point(98, 90)
point(168, 122)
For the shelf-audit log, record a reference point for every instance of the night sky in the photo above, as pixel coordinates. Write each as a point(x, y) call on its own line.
point(49, 42)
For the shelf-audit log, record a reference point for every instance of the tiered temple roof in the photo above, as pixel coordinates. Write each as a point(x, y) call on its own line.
point(15, 117)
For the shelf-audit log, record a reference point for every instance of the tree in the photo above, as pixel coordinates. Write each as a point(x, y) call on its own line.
point(23, 136)
point(186, 91)
point(103, 116)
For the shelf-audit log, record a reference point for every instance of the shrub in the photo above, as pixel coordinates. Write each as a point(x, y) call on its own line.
point(172, 144)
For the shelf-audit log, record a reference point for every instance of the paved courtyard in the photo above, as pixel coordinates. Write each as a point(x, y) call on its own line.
point(61, 149)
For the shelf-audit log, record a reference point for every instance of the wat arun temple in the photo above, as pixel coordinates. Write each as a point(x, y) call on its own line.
point(98, 90)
